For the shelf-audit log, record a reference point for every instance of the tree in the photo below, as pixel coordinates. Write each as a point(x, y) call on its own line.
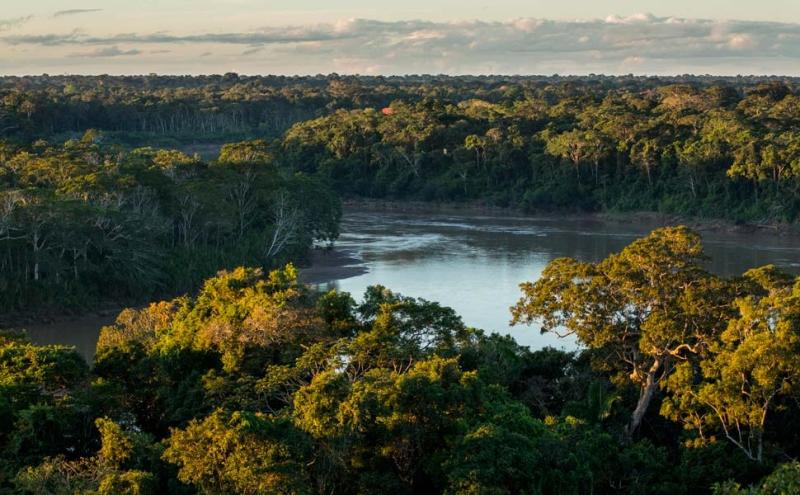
point(755, 362)
point(578, 146)
point(646, 153)
point(239, 453)
point(286, 224)
point(784, 479)
point(245, 310)
point(101, 474)
point(246, 153)
point(383, 419)
point(175, 164)
point(503, 455)
point(406, 131)
point(642, 309)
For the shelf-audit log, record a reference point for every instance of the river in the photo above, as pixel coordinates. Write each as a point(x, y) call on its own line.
point(474, 263)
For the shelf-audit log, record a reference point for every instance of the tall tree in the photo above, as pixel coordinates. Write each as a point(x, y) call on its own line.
point(642, 309)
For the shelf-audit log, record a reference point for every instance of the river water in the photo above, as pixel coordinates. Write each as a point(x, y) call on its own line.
point(475, 262)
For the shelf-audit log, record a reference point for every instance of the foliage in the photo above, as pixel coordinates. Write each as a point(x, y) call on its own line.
point(102, 474)
point(258, 384)
point(84, 222)
point(784, 480)
point(755, 363)
point(241, 454)
point(642, 309)
point(702, 147)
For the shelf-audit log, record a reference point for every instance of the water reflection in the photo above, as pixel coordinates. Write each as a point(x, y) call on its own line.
point(476, 263)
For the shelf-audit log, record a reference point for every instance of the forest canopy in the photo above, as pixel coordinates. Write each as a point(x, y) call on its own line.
point(86, 222)
point(237, 378)
point(700, 149)
point(259, 384)
point(103, 193)
point(703, 146)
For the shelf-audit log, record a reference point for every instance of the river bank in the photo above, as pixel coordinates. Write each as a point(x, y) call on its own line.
point(622, 217)
point(331, 264)
point(326, 265)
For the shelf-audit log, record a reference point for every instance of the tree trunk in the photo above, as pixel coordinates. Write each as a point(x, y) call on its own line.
point(646, 393)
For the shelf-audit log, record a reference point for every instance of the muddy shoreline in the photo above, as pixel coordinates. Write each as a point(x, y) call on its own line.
point(328, 265)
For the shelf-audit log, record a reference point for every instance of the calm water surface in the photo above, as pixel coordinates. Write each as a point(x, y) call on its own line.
point(475, 263)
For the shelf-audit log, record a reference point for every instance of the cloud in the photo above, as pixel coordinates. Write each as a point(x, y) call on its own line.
point(263, 37)
point(252, 51)
point(640, 43)
point(6, 24)
point(109, 51)
point(65, 13)
point(44, 39)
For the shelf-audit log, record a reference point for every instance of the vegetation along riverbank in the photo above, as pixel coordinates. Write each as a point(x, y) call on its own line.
point(229, 375)
point(685, 383)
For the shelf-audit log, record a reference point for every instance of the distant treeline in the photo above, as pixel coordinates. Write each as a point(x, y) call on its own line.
point(722, 150)
point(709, 146)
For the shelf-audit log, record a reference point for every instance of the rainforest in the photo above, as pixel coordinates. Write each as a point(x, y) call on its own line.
point(193, 205)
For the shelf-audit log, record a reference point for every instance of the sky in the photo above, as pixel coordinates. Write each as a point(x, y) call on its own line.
point(651, 37)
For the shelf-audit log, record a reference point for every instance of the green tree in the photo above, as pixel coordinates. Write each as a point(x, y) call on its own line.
point(755, 362)
point(239, 453)
point(246, 153)
point(579, 147)
point(783, 481)
point(102, 474)
point(642, 309)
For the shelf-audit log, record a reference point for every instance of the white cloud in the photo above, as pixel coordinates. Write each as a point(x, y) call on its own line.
point(633, 19)
point(641, 43)
point(425, 35)
point(526, 25)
